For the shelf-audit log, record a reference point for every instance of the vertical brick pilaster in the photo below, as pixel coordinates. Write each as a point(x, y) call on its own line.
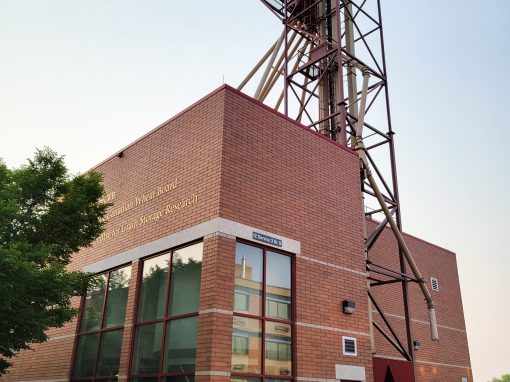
point(129, 323)
point(216, 302)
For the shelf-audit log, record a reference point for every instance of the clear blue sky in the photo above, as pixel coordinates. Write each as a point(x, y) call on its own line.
point(86, 77)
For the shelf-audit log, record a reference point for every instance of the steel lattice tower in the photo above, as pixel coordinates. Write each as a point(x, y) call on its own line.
point(328, 71)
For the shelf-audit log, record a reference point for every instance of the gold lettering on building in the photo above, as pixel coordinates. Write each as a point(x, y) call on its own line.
point(182, 204)
point(154, 216)
point(141, 199)
point(108, 198)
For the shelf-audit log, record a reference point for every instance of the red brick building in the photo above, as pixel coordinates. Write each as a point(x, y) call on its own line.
point(234, 237)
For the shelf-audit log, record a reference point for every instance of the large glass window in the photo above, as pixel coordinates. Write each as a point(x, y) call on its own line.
point(164, 347)
point(263, 321)
point(102, 326)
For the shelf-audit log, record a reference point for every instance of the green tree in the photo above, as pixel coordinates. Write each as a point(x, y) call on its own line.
point(45, 216)
point(504, 378)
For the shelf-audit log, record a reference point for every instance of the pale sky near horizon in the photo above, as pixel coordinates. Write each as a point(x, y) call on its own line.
point(87, 77)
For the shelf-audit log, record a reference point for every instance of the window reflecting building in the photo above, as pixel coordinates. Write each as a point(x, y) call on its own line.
point(262, 324)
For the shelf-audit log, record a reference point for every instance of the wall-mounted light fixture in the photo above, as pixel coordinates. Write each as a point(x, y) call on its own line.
point(416, 345)
point(348, 306)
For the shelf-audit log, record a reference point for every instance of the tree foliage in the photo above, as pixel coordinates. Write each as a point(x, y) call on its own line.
point(45, 216)
point(504, 378)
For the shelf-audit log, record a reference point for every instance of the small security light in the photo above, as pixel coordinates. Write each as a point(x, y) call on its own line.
point(348, 306)
point(416, 345)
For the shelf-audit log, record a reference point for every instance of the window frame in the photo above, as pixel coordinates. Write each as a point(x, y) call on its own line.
point(239, 352)
point(79, 333)
point(246, 303)
point(165, 319)
point(264, 318)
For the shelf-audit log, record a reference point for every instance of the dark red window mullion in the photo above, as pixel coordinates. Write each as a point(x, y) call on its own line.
point(240, 314)
point(102, 321)
point(102, 330)
point(184, 315)
point(95, 378)
point(263, 376)
point(178, 373)
point(163, 374)
point(165, 314)
point(263, 363)
point(149, 322)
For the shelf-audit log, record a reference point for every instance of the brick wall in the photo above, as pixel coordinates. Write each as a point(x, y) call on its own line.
point(292, 182)
point(448, 359)
point(241, 161)
point(185, 149)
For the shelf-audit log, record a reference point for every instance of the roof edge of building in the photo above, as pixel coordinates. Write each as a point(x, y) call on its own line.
point(212, 93)
point(194, 104)
point(293, 121)
point(418, 239)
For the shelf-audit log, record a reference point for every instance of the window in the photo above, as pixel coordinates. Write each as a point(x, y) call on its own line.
point(239, 344)
point(102, 326)
point(263, 320)
point(166, 331)
point(241, 300)
point(277, 308)
point(278, 350)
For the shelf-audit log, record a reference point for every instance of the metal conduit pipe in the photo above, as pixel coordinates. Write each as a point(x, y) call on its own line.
point(269, 65)
point(302, 99)
point(278, 68)
point(361, 150)
point(277, 72)
point(257, 66)
point(300, 56)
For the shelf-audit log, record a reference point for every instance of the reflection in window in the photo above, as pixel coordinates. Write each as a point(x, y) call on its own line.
point(109, 353)
point(86, 355)
point(245, 379)
point(278, 287)
point(181, 345)
point(278, 344)
point(147, 349)
point(247, 348)
point(116, 302)
point(276, 350)
point(93, 307)
point(101, 329)
point(260, 273)
point(185, 281)
point(248, 280)
point(239, 343)
point(151, 303)
point(178, 378)
point(241, 301)
point(167, 328)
